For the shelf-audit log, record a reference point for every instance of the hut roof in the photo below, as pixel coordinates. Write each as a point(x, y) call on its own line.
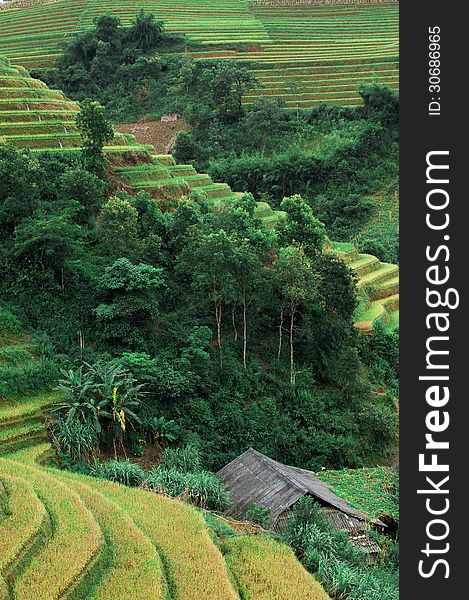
point(254, 478)
point(354, 528)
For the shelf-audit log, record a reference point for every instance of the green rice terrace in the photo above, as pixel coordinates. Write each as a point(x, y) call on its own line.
point(378, 288)
point(304, 53)
point(69, 535)
point(35, 117)
point(43, 120)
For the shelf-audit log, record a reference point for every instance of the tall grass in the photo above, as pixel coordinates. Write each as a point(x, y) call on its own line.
point(203, 489)
point(331, 557)
point(121, 471)
point(185, 459)
point(74, 438)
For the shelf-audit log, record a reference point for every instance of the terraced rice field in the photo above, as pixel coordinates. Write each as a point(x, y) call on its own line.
point(33, 116)
point(68, 535)
point(36, 117)
point(258, 561)
point(64, 535)
point(378, 288)
point(304, 54)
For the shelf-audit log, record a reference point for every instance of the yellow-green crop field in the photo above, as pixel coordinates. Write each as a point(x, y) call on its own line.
point(257, 562)
point(65, 535)
point(69, 535)
point(304, 54)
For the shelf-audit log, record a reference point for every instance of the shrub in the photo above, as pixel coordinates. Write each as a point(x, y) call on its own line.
point(14, 355)
point(337, 564)
point(26, 378)
point(185, 459)
point(203, 489)
point(260, 515)
point(121, 471)
point(9, 324)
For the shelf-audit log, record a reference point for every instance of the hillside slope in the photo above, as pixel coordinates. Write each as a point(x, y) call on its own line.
point(68, 534)
point(43, 120)
point(305, 52)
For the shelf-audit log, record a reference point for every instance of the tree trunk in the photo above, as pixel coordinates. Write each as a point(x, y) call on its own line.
point(218, 319)
point(233, 320)
point(292, 364)
point(245, 329)
point(280, 332)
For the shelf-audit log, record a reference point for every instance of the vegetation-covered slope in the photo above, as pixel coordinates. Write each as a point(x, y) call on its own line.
point(64, 533)
point(305, 53)
point(34, 117)
point(378, 288)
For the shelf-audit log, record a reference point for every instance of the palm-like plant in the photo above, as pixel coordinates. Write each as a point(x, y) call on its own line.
point(103, 395)
point(163, 430)
point(79, 401)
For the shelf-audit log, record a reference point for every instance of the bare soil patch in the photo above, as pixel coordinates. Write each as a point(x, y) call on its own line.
point(160, 134)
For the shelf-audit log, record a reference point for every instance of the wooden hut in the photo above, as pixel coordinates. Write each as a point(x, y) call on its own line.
point(254, 478)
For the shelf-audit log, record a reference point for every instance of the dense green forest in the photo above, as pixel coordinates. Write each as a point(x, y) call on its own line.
point(244, 335)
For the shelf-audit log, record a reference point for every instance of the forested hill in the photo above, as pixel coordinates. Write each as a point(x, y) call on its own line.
point(162, 313)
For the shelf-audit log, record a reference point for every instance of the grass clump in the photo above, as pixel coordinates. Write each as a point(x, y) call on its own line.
point(121, 471)
point(329, 555)
point(259, 514)
point(75, 439)
point(185, 459)
point(203, 489)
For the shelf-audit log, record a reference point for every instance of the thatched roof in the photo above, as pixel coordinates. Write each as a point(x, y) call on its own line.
point(254, 478)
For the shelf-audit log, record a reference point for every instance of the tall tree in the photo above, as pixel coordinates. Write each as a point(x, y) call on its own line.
point(118, 227)
point(226, 83)
point(131, 305)
point(95, 131)
point(49, 242)
point(300, 227)
point(210, 261)
point(146, 32)
point(20, 175)
point(296, 284)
